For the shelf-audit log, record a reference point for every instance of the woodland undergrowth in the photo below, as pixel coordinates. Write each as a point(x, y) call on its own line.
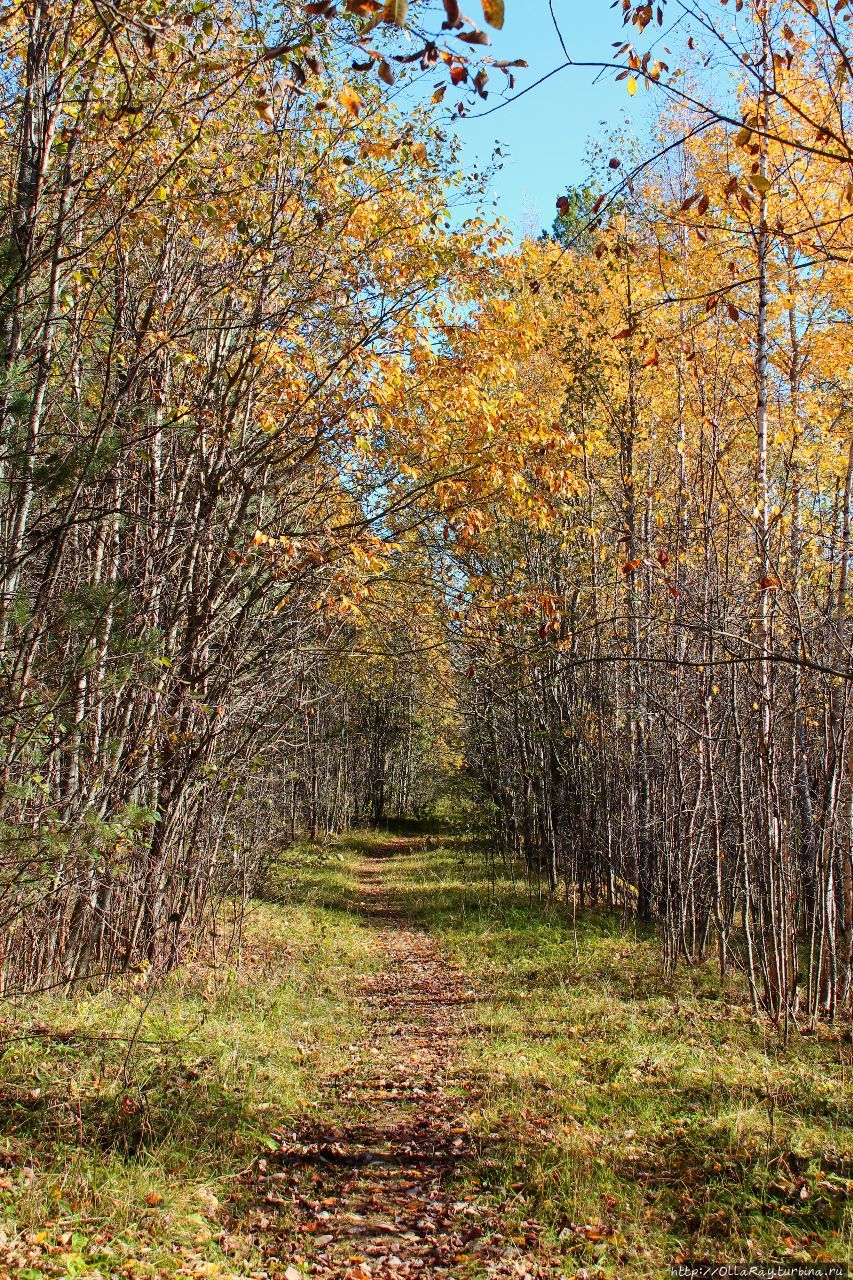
point(127, 1112)
point(638, 1116)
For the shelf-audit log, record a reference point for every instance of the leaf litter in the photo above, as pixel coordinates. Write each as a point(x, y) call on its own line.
point(379, 1195)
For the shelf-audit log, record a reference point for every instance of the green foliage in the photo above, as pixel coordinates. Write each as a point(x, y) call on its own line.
point(575, 223)
point(58, 470)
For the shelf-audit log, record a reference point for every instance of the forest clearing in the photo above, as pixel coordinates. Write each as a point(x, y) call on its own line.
point(426, 775)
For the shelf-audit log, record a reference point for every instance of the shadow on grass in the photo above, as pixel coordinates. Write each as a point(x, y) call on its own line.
point(312, 876)
point(623, 1104)
point(121, 1101)
point(159, 1105)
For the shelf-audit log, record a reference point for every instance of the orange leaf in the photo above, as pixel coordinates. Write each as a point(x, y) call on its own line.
point(351, 100)
point(395, 12)
point(493, 12)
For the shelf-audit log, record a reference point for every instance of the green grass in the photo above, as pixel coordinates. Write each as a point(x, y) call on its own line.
point(640, 1117)
point(120, 1160)
point(643, 1118)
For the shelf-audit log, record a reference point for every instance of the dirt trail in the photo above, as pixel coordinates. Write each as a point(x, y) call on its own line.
point(379, 1197)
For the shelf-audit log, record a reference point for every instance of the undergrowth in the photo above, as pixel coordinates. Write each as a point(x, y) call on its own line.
point(126, 1113)
point(644, 1118)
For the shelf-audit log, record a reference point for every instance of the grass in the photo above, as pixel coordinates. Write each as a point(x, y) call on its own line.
point(643, 1118)
point(640, 1118)
point(126, 1113)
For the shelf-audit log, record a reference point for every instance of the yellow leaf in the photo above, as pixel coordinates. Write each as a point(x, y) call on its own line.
point(264, 110)
point(632, 85)
point(351, 100)
point(493, 11)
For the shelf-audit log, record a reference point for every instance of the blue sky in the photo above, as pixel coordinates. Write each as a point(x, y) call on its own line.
point(544, 134)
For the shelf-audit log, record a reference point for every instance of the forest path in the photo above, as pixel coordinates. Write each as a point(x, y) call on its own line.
point(378, 1195)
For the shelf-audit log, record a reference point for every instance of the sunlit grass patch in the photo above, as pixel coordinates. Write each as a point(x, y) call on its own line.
point(127, 1112)
point(639, 1117)
point(642, 1117)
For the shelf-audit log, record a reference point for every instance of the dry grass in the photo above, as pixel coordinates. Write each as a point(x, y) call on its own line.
point(126, 1112)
